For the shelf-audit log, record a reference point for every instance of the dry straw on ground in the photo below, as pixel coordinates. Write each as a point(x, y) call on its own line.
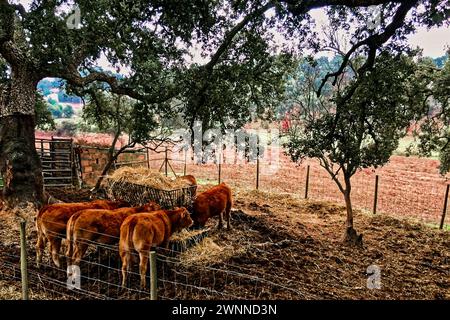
point(147, 177)
point(206, 252)
point(185, 235)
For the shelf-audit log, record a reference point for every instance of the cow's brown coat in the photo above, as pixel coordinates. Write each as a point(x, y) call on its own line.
point(52, 219)
point(213, 202)
point(143, 231)
point(97, 226)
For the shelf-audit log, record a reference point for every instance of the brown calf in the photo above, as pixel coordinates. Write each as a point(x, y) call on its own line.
point(143, 231)
point(52, 219)
point(213, 202)
point(97, 226)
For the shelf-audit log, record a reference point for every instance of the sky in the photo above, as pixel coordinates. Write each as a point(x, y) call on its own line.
point(434, 42)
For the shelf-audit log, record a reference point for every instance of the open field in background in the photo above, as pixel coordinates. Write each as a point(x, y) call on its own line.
point(410, 141)
point(408, 186)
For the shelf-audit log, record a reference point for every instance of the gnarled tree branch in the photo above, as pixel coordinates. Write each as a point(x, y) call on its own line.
point(373, 42)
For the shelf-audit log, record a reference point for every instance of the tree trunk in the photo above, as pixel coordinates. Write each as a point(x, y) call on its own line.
point(20, 166)
point(111, 158)
point(348, 205)
point(350, 236)
point(104, 172)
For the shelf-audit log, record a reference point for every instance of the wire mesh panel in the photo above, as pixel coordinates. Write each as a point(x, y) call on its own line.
point(101, 276)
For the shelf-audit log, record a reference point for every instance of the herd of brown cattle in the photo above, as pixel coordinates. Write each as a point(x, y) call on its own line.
point(115, 222)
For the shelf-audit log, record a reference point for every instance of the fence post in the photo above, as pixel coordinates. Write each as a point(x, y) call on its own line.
point(23, 260)
point(153, 276)
point(165, 161)
point(185, 161)
point(257, 173)
point(375, 197)
point(220, 167)
point(257, 164)
point(148, 158)
point(307, 182)
point(444, 211)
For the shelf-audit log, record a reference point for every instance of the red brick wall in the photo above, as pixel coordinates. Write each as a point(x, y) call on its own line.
point(93, 160)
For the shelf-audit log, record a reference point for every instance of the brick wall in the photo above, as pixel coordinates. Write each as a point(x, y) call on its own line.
point(93, 160)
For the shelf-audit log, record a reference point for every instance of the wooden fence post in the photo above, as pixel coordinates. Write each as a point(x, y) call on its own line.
point(23, 260)
point(257, 164)
point(153, 276)
point(444, 211)
point(148, 158)
point(185, 161)
point(307, 182)
point(165, 161)
point(257, 173)
point(220, 167)
point(375, 197)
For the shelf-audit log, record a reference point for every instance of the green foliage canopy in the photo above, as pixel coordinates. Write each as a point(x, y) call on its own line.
point(362, 131)
point(434, 130)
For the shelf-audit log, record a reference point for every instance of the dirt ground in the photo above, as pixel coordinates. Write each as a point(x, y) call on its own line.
point(297, 244)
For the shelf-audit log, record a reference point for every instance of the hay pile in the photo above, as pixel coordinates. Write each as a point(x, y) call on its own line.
point(185, 239)
point(207, 252)
point(185, 235)
point(147, 177)
point(10, 290)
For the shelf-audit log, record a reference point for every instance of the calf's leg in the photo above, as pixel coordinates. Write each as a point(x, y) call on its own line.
point(143, 257)
point(228, 214)
point(125, 256)
point(55, 246)
point(40, 248)
point(220, 225)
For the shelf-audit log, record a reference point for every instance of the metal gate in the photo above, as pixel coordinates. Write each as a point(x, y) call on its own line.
point(60, 162)
point(57, 158)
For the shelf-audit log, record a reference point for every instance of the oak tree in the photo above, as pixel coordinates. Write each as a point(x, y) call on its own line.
point(152, 39)
point(348, 133)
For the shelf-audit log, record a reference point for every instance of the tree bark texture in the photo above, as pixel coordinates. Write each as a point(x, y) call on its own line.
point(20, 165)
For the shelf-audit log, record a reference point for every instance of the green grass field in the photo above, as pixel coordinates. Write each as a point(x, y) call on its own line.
point(408, 141)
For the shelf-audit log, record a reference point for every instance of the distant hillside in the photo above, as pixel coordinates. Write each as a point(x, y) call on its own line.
point(440, 61)
point(53, 88)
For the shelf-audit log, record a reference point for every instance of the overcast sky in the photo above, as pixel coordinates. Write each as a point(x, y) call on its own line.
point(434, 42)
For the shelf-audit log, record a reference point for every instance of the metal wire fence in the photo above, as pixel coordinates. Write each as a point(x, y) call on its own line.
point(407, 186)
point(100, 276)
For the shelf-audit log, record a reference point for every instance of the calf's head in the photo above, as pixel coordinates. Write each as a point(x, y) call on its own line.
point(199, 220)
point(184, 221)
